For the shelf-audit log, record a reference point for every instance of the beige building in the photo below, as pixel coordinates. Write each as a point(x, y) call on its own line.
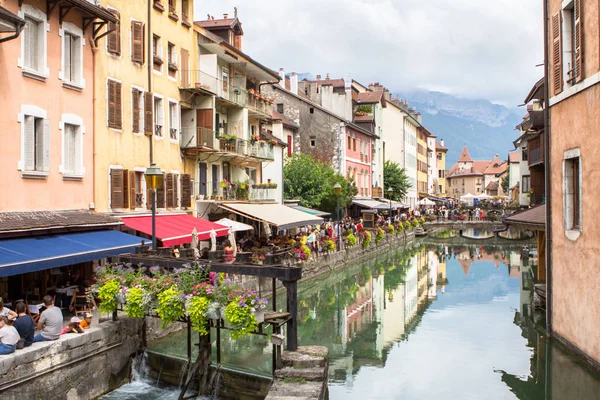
point(475, 176)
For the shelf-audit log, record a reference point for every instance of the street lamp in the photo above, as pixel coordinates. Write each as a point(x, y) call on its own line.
point(154, 180)
point(390, 192)
point(337, 189)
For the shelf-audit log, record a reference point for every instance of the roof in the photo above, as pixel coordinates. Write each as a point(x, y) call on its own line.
point(44, 220)
point(94, 10)
point(285, 121)
point(438, 146)
point(231, 23)
point(533, 218)
point(536, 92)
point(514, 156)
point(492, 185)
point(283, 217)
point(332, 82)
point(270, 136)
point(464, 155)
point(495, 166)
point(370, 97)
point(310, 211)
point(7, 15)
point(478, 168)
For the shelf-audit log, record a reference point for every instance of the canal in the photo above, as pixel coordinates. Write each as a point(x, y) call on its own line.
point(433, 320)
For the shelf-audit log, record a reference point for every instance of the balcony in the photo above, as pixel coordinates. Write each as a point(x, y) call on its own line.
point(535, 148)
point(205, 140)
point(220, 191)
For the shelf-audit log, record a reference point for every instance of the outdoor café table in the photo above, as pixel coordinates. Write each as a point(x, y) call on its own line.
point(69, 290)
point(35, 308)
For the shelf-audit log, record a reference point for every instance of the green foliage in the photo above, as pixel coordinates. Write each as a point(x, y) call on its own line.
point(306, 250)
point(329, 245)
point(407, 225)
point(390, 229)
point(379, 235)
point(350, 240)
point(312, 181)
point(364, 109)
point(505, 181)
point(241, 318)
point(395, 178)
point(197, 311)
point(415, 223)
point(134, 305)
point(366, 235)
point(170, 306)
point(107, 296)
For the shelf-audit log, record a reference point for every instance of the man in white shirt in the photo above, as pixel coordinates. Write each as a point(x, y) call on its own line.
point(8, 336)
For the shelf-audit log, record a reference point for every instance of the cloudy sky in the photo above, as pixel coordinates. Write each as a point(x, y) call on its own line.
point(471, 48)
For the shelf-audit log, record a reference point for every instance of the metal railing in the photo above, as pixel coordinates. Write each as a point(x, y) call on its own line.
point(192, 137)
point(217, 190)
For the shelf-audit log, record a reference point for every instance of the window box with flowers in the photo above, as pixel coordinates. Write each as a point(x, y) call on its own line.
point(172, 67)
point(158, 5)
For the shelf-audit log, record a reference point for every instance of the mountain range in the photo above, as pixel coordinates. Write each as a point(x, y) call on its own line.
point(486, 128)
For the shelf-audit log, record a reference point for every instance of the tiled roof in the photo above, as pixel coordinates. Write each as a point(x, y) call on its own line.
point(438, 146)
point(36, 220)
point(216, 23)
point(332, 82)
point(534, 217)
point(496, 167)
point(464, 156)
point(270, 136)
point(283, 119)
point(492, 185)
point(478, 168)
point(514, 156)
point(369, 97)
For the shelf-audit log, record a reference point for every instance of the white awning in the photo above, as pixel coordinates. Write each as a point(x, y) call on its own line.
point(372, 204)
point(237, 226)
point(283, 217)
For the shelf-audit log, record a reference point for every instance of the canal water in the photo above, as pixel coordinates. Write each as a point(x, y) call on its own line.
point(442, 319)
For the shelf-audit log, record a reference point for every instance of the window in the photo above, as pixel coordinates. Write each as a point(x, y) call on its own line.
point(312, 110)
point(524, 154)
point(137, 110)
point(36, 144)
point(173, 120)
point(439, 156)
point(463, 190)
point(463, 182)
point(34, 43)
point(113, 43)
point(353, 144)
point(349, 142)
point(114, 105)
point(157, 53)
point(525, 184)
point(313, 141)
point(72, 150)
point(225, 77)
point(137, 42)
point(572, 190)
point(184, 11)
point(280, 108)
point(172, 7)
point(72, 60)
point(441, 173)
point(119, 193)
point(440, 189)
point(158, 116)
point(138, 188)
point(172, 60)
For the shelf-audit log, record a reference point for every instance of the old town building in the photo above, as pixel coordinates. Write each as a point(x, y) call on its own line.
point(475, 177)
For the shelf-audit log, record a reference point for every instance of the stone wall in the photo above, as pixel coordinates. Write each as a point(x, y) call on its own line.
point(78, 367)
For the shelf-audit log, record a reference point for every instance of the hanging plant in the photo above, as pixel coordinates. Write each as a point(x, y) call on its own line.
point(197, 310)
point(241, 319)
point(350, 240)
point(107, 294)
point(170, 306)
point(379, 235)
point(134, 303)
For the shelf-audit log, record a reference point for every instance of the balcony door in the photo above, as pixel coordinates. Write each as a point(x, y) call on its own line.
point(204, 122)
point(203, 179)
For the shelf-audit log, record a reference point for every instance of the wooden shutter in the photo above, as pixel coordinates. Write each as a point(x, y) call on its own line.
point(116, 188)
point(169, 179)
point(132, 202)
point(112, 104)
point(160, 196)
point(148, 115)
point(135, 98)
point(578, 44)
point(29, 143)
point(175, 190)
point(125, 188)
point(186, 190)
point(137, 42)
point(557, 53)
point(114, 38)
point(118, 106)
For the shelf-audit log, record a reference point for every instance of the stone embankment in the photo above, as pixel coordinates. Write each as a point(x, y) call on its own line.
point(303, 375)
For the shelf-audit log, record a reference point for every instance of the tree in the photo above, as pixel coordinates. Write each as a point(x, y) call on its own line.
point(311, 181)
point(395, 178)
point(505, 181)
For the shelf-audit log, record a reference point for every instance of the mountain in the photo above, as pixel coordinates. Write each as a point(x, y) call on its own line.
point(486, 128)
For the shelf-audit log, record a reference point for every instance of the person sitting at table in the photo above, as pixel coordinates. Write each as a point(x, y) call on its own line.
point(8, 336)
point(73, 327)
point(50, 322)
point(24, 324)
point(7, 312)
point(228, 252)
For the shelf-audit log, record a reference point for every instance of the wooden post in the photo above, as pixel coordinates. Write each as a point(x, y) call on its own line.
point(292, 308)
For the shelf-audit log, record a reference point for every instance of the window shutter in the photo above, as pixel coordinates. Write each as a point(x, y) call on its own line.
point(289, 145)
point(111, 103)
point(135, 95)
point(46, 146)
point(29, 143)
point(137, 38)
point(118, 106)
point(67, 57)
point(557, 53)
point(78, 151)
point(125, 188)
point(132, 202)
point(578, 42)
point(148, 117)
point(116, 188)
point(186, 190)
point(169, 179)
point(175, 191)
point(114, 38)
point(160, 196)
point(67, 149)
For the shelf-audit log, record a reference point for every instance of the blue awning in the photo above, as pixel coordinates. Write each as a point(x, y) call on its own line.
point(37, 253)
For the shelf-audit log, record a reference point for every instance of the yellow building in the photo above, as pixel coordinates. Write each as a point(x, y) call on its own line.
point(440, 156)
point(138, 72)
point(422, 161)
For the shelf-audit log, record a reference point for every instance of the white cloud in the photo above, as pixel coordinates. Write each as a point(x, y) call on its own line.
point(472, 48)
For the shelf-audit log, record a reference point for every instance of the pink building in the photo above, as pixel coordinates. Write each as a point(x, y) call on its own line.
point(359, 147)
point(47, 119)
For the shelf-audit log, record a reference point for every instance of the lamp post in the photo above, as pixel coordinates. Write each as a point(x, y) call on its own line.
point(337, 189)
point(154, 180)
point(390, 192)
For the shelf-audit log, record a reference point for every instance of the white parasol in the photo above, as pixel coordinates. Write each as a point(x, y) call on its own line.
point(194, 238)
point(231, 238)
point(213, 240)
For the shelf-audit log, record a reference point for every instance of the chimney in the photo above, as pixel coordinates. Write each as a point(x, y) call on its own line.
point(282, 77)
point(347, 81)
point(442, 142)
point(294, 83)
point(327, 76)
point(225, 16)
point(235, 12)
point(318, 77)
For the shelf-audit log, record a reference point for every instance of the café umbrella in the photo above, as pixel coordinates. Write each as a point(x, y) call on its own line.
point(213, 240)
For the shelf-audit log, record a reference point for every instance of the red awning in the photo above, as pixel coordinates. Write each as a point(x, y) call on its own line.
point(174, 229)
